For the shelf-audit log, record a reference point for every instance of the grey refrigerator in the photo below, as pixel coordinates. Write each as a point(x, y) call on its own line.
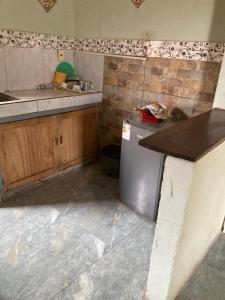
point(141, 171)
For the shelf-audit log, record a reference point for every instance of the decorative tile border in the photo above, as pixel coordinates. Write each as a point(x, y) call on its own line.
point(35, 40)
point(115, 47)
point(201, 51)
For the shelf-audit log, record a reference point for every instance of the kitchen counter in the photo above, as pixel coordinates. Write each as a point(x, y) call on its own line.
point(190, 139)
point(34, 103)
point(45, 113)
point(191, 208)
point(33, 95)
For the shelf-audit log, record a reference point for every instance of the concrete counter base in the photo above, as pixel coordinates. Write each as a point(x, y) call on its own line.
point(34, 108)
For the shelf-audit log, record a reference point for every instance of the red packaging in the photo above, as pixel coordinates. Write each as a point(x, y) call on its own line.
point(146, 117)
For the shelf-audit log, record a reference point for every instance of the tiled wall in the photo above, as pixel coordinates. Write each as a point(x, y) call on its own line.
point(122, 91)
point(90, 67)
point(3, 79)
point(25, 68)
point(188, 85)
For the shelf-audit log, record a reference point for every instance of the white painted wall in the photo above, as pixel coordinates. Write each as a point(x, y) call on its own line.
point(29, 15)
point(219, 100)
point(191, 215)
point(204, 216)
point(200, 20)
point(175, 191)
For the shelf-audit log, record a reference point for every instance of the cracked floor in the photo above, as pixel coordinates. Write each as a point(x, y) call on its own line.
point(70, 238)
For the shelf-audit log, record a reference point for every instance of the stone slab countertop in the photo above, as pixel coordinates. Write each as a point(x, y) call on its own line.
point(190, 139)
point(39, 101)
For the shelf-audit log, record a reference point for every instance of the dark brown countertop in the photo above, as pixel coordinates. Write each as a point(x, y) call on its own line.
point(190, 139)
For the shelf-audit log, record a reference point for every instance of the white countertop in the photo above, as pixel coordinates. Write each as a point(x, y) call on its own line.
point(32, 95)
point(34, 101)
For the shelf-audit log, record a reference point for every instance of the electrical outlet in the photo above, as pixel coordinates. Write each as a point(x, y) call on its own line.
point(61, 55)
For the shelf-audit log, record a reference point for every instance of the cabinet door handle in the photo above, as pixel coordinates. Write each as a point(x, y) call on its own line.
point(56, 141)
point(61, 139)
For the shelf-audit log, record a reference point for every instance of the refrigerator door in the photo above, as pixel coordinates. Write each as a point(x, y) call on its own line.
point(140, 174)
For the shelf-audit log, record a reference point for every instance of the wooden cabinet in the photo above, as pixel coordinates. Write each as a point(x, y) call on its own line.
point(36, 148)
point(27, 150)
point(79, 136)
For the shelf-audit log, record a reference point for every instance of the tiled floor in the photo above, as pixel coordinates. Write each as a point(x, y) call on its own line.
point(70, 238)
point(208, 282)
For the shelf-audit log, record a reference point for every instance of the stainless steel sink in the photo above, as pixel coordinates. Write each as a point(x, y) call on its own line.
point(7, 98)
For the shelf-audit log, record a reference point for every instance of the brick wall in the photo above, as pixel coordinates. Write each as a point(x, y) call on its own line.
point(187, 85)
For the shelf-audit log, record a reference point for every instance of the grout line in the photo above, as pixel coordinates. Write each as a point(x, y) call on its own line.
point(143, 90)
point(173, 95)
point(113, 55)
point(126, 56)
point(44, 73)
point(6, 74)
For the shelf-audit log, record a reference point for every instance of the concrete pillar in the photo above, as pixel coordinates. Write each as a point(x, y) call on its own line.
point(191, 214)
point(219, 101)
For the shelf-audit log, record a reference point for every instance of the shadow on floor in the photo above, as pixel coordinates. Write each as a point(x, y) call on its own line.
point(75, 185)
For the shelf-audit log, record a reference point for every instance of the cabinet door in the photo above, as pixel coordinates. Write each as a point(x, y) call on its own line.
point(27, 150)
point(79, 136)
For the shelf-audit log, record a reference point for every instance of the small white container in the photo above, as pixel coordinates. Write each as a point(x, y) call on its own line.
point(64, 85)
point(76, 88)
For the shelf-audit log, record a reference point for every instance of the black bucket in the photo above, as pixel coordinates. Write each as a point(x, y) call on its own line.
point(111, 160)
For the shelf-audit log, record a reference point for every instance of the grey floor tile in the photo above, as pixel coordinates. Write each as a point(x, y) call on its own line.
point(43, 259)
point(120, 275)
point(70, 238)
point(53, 232)
point(110, 221)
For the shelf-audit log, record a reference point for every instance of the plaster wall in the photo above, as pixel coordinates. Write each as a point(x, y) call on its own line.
point(200, 20)
point(203, 218)
point(191, 214)
point(174, 197)
point(29, 15)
